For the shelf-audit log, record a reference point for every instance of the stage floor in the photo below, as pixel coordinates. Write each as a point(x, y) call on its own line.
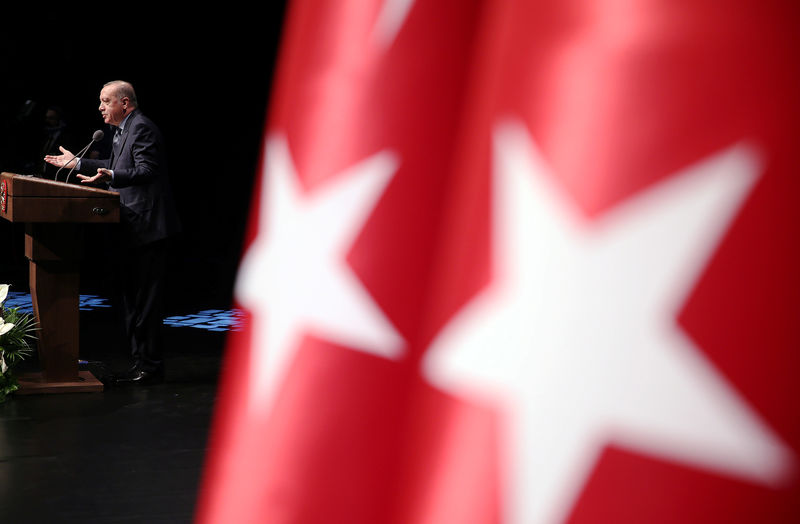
point(132, 454)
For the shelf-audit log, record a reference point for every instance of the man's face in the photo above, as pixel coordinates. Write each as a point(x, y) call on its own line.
point(112, 108)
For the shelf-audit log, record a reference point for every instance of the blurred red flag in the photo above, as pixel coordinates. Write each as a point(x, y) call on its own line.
point(520, 262)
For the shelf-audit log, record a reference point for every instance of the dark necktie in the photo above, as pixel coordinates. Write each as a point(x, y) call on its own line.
point(115, 144)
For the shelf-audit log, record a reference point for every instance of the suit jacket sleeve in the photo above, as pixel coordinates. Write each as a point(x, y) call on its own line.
point(89, 166)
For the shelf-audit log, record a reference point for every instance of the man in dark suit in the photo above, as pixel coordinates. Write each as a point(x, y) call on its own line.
point(137, 170)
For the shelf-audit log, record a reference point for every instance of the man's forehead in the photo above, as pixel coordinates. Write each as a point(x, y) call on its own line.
point(107, 93)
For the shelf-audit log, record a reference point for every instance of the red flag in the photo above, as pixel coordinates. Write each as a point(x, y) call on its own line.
point(520, 262)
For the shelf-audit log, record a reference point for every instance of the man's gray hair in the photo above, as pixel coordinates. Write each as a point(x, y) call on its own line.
point(123, 89)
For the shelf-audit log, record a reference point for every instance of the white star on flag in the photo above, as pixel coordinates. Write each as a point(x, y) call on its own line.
point(294, 277)
point(578, 340)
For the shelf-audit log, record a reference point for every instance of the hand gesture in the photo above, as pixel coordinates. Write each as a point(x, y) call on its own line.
point(62, 160)
point(101, 175)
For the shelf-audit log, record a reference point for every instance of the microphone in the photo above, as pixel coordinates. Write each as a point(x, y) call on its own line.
point(96, 137)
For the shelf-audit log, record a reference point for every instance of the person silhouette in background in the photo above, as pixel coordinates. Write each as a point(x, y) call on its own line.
point(54, 133)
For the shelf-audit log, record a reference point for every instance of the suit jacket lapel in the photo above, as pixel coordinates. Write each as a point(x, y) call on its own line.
point(115, 151)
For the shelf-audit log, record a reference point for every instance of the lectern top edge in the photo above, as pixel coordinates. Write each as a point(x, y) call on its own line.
point(29, 185)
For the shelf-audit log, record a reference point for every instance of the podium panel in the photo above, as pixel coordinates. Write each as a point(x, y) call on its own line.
point(54, 214)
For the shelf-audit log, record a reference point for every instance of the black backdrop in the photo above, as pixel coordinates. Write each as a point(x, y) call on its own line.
point(203, 75)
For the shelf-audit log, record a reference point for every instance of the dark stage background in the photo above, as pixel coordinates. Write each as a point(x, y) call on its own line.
point(203, 75)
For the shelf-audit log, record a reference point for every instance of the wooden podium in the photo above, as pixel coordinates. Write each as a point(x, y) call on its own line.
point(54, 214)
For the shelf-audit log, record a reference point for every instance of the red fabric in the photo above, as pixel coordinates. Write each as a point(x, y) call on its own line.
point(618, 96)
